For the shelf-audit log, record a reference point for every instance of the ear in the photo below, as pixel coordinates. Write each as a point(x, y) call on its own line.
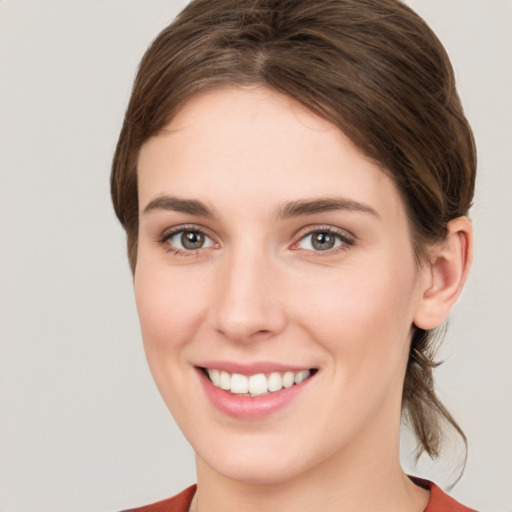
point(445, 274)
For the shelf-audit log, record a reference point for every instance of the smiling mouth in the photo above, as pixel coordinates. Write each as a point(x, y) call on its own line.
point(259, 384)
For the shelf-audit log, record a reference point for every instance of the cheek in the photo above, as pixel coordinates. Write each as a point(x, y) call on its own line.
point(363, 316)
point(170, 307)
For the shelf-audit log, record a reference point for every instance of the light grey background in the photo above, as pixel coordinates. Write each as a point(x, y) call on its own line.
point(82, 427)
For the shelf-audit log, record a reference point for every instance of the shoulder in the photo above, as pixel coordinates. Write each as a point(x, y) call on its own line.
point(440, 501)
point(179, 503)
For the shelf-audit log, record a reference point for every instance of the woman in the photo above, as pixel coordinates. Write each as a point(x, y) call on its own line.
point(294, 178)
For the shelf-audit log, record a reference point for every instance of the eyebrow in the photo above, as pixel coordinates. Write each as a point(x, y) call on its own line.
point(304, 207)
point(176, 204)
point(298, 208)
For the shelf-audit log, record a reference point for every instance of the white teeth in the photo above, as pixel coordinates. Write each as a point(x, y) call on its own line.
point(239, 384)
point(300, 376)
point(288, 379)
point(214, 376)
point(275, 382)
point(255, 385)
point(225, 381)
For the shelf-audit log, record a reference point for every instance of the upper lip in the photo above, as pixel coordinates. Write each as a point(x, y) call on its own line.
point(252, 368)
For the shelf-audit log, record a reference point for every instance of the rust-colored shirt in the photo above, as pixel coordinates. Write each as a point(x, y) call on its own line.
point(438, 502)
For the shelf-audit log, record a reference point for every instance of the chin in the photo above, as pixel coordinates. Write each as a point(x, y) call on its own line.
point(263, 459)
point(257, 472)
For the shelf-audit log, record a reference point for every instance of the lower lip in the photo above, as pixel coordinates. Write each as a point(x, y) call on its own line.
point(247, 407)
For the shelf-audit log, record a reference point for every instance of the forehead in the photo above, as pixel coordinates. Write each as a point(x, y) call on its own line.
point(252, 142)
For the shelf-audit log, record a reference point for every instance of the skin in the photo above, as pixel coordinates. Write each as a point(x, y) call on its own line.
point(259, 291)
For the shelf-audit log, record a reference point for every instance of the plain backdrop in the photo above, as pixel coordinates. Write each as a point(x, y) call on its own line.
point(83, 428)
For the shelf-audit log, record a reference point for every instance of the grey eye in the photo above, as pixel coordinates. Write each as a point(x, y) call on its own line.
point(189, 240)
point(321, 241)
point(192, 240)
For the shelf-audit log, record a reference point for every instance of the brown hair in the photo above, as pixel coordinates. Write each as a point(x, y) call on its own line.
point(373, 68)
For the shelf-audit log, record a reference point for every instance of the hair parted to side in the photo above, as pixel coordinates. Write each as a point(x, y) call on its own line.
point(373, 68)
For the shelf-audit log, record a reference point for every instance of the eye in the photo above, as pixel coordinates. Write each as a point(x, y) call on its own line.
point(323, 240)
point(187, 240)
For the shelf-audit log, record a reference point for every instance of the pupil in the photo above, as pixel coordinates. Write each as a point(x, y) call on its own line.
point(323, 241)
point(192, 240)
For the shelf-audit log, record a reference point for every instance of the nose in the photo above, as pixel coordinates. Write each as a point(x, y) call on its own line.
point(248, 305)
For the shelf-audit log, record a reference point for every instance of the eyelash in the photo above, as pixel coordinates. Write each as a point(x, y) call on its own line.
point(164, 240)
point(346, 240)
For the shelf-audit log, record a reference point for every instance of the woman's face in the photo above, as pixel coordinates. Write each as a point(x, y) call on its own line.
point(271, 250)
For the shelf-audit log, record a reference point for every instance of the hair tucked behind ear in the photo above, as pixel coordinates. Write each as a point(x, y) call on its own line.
point(420, 404)
point(373, 68)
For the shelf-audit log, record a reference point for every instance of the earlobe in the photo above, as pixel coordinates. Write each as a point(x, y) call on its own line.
point(445, 274)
